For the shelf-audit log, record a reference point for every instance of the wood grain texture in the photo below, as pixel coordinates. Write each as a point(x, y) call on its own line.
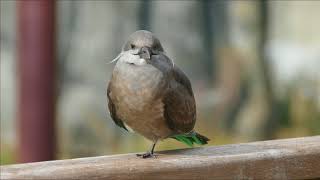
point(297, 158)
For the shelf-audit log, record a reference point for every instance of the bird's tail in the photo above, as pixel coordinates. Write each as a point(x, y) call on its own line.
point(192, 138)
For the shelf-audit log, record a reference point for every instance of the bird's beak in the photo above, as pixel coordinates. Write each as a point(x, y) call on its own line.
point(145, 53)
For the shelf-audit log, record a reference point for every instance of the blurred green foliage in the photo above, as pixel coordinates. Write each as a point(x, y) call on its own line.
point(7, 154)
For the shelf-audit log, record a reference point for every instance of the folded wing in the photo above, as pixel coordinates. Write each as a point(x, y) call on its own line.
point(179, 103)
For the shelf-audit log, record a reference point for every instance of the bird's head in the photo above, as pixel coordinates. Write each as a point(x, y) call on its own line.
point(144, 43)
point(140, 48)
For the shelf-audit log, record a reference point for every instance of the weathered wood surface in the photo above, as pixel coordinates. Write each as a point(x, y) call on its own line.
point(297, 158)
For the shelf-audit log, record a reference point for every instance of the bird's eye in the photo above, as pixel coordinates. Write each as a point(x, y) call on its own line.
point(132, 46)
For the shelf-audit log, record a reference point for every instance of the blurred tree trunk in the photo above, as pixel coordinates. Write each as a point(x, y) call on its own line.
point(270, 122)
point(223, 63)
point(208, 39)
point(215, 35)
point(258, 117)
point(144, 15)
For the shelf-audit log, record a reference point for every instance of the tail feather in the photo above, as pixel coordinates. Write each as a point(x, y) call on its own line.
point(192, 138)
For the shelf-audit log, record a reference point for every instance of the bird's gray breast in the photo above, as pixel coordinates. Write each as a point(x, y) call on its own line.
point(136, 91)
point(137, 86)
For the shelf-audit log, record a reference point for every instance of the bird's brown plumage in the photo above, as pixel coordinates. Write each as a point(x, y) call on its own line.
point(155, 99)
point(179, 103)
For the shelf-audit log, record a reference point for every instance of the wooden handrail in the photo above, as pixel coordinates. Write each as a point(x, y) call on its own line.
point(297, 158)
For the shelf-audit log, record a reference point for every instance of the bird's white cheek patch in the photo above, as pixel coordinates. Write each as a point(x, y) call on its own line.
point(133, 59)
point(138, 62)
point(142, 62)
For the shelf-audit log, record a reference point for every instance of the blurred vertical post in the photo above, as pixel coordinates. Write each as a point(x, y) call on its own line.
point(271, 121)
point(215, 36)
point(36, 67)
point(208, 41)
point(144, 15)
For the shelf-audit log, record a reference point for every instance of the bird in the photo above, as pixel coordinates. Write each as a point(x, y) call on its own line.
point(150, 95)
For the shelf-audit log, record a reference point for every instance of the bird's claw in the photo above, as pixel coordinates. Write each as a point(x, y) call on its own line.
point(146, 155)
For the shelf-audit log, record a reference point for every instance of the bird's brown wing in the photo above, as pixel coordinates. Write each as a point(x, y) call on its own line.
point(179, 103)
point(112, 109)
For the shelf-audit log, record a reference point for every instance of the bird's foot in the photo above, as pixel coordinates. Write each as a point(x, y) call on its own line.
point(146, 155)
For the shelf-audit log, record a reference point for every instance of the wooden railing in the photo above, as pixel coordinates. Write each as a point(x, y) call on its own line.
point(297, 158)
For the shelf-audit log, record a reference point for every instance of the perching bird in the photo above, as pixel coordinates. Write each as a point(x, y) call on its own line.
point(149, 94)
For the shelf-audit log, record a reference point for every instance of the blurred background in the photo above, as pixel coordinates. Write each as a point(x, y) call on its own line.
point(254, 67)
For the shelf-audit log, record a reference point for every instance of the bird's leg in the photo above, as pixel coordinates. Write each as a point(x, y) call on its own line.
point(149, 153)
